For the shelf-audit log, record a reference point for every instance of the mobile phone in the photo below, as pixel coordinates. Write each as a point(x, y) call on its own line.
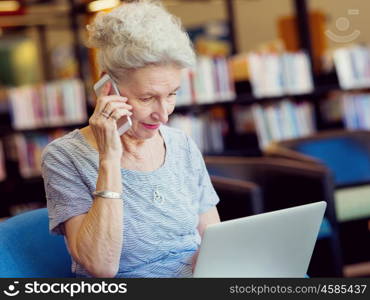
point(124, 123)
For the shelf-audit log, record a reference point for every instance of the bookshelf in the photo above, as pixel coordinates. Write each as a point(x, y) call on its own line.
point(234, 143)
point(323, 85)
point(25, 127)
point(246, 96)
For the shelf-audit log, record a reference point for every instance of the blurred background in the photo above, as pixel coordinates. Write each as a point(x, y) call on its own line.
point(278, 103)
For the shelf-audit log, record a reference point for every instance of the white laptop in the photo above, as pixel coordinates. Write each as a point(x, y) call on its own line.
point(274, 244)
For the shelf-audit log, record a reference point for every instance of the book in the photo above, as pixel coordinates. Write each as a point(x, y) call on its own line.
point(29, 147)
point(263, 134)
point(185, 94)
point(355, 110)
point(51, 104)
point(275, 75)
point(352, 65)
point(282, 121)
point(210, 81)
point(206, 130)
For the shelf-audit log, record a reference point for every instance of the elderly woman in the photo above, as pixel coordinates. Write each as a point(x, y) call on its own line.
point(134, 205)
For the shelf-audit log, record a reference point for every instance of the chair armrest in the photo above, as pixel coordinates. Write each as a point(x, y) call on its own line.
point(283, 182)
point(238, 198)
point(279, 151)
point(245, 167)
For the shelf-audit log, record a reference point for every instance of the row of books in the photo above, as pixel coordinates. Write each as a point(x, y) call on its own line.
point(282, 121)
point(52, 104)
point(356, 111)
point(352, 65)
point(273, 75)
point(210, 81)
point(28, 149)
point(206, 131)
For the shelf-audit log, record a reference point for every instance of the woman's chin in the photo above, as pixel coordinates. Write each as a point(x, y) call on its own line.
point(148, 134)
point(142, 134)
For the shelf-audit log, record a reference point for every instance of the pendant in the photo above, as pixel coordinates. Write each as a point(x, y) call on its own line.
point(158, 197)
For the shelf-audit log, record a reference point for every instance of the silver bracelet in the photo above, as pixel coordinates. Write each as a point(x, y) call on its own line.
point(107, 194)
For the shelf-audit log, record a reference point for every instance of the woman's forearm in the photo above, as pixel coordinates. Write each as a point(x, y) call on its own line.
point(99, 241)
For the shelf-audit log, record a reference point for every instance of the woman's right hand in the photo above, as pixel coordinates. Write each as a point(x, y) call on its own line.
point(103, 122)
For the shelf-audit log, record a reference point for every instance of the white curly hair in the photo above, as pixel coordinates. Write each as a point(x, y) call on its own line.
point(137, 34)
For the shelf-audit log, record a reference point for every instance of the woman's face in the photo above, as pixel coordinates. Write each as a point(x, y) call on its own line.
point(152, 93)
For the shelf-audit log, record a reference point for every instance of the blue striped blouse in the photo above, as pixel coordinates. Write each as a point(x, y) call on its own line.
point(161, 207)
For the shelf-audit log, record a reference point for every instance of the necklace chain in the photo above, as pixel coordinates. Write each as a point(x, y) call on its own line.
point(158, 198)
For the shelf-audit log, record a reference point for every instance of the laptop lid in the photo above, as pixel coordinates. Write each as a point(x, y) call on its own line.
point(273, 244)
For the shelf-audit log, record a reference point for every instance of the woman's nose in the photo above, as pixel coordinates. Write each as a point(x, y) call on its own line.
point(161, 112)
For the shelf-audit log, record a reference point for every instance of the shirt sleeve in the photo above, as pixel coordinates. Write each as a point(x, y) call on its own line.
point(66, 194)
point(207, 196)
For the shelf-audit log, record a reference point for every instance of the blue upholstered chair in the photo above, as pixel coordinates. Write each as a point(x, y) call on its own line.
point(347, 155)
point(27, 249)
point(284, 183)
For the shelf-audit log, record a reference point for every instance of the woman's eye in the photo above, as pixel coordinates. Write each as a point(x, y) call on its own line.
point(146, 99)
point(150, 98)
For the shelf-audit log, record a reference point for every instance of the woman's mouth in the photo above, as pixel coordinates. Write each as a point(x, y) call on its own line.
point(150, 126)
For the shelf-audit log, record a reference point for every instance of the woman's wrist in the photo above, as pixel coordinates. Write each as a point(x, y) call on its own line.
point(110, 158)
point(109, 164)
point(109, 175)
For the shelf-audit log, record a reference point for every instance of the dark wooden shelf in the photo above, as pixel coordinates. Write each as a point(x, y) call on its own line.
point(50, 128)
